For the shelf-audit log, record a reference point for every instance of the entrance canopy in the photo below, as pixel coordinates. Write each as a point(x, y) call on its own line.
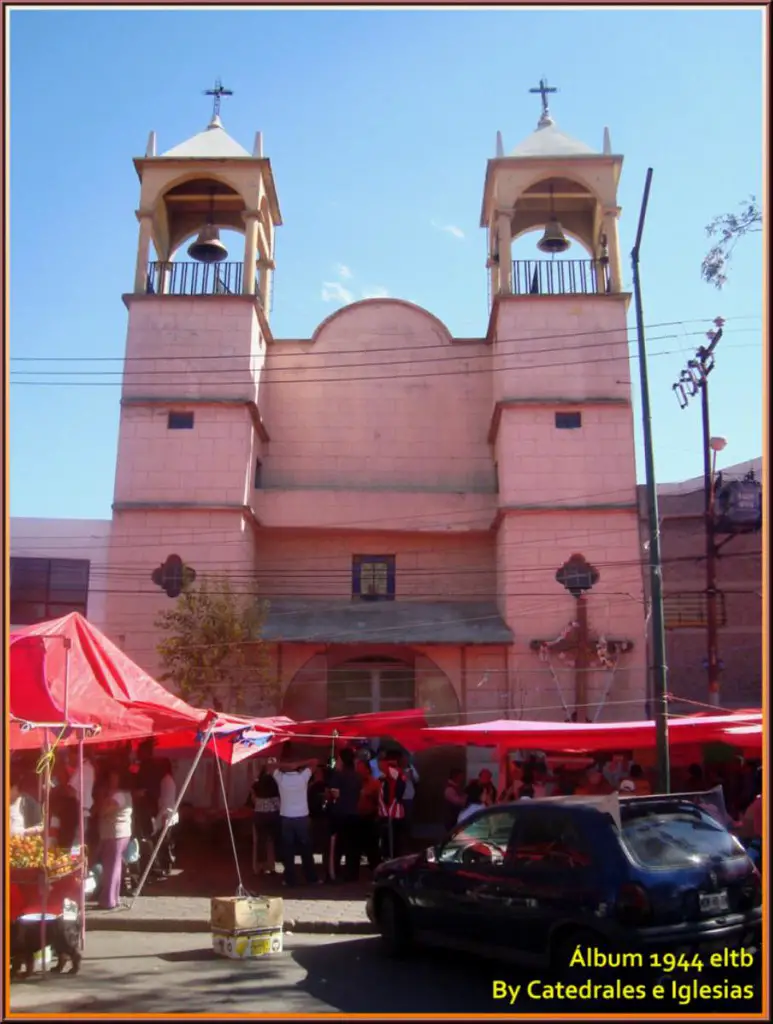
point(740, 730)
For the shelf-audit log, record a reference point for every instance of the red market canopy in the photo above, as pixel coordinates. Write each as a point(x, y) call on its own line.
point(742, 730)
point(66, 672)
point(407, 727)
point(236, 737)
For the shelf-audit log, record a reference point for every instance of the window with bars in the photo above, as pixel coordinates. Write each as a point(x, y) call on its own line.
point(47, 588)
point(373, 577)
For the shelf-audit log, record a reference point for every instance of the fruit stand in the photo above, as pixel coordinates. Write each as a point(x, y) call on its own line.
point(29, 893)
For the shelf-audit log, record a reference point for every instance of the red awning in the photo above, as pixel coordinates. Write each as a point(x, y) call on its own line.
point(90, 683)
point(741, 730)
point(406, 727)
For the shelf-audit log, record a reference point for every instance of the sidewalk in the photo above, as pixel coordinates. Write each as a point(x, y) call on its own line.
point(309, 910)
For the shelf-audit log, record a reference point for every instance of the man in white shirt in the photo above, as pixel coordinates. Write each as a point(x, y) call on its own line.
point(89, 775)
point(88, 782)
point(292, 780)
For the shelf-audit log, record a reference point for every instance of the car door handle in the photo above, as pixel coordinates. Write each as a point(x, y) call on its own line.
point(484, 896)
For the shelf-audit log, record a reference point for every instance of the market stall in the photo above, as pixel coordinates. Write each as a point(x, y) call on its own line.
point(70, 685)
point(741, 730)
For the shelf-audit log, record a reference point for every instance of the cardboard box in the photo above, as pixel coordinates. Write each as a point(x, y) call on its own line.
point(247, 945)
point(245, 913)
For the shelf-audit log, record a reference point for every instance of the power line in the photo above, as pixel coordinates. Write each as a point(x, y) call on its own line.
point(276, 347)
point(127, 378)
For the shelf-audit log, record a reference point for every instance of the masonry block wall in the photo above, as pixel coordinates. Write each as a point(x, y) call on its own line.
point(566, 491)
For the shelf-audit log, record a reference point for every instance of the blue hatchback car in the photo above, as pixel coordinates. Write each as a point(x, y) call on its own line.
point(532, 881)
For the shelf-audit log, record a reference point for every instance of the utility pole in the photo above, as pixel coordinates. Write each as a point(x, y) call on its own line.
point(691, 381)
point(660, 666)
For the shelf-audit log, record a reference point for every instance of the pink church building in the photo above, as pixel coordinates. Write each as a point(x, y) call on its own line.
point(403, 499)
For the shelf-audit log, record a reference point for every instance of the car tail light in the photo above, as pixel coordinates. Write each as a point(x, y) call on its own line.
point(633, 905)
point(751, 892)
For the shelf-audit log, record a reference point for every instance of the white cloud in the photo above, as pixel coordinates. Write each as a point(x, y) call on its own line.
point(377, 291)
point(334, 291)
point(450, 229)
point(343, 272)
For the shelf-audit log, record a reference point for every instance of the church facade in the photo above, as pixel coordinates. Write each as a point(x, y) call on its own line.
point(434, 521)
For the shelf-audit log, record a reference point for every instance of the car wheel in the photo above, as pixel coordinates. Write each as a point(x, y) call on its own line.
point(394, 926)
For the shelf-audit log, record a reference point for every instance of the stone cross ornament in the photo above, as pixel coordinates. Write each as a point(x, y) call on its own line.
point(578, 577)
point(173, 576)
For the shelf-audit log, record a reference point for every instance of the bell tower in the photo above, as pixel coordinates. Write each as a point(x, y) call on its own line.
point(191, 431)
point(562, 432)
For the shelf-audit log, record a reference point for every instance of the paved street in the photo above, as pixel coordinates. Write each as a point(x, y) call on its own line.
point(128, 973)
point(172, 973)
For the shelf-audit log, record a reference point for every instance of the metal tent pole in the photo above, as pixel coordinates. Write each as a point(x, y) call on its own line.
point(82, 843)
point(46, 887)
point(165, 829)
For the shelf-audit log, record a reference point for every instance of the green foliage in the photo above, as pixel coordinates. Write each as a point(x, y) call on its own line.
point(728, 229)
point(212, 651)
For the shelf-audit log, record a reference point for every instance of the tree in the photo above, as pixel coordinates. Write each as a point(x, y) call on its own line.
point(729, 228)
point(212, 650)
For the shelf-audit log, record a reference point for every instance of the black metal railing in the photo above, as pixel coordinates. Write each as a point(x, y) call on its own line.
point(561, 277)
point(194, 278)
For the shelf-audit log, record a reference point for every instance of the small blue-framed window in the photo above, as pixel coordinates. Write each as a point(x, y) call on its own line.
point(373, 577)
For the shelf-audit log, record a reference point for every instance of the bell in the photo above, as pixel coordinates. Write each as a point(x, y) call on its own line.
point(554, 240)
point(208, 248)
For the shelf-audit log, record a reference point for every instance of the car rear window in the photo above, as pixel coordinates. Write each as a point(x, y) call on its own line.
point(677, 839)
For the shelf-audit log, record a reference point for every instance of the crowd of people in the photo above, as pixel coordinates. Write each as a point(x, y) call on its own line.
point(359, 808)
point(739, 780)
point(126, 800)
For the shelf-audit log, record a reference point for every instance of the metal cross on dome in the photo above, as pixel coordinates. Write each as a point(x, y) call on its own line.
point(543, 89)
point(217, 93)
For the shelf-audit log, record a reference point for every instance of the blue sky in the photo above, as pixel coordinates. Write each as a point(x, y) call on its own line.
point(378, 125)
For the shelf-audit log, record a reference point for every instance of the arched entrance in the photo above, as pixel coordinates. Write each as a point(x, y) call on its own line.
point(333, 684)
point(330, 686)
point(370, 684)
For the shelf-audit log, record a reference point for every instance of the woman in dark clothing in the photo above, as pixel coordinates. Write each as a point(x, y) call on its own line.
point(265, 823)
point(454, 799)
point(319, 814)
point(345, 784)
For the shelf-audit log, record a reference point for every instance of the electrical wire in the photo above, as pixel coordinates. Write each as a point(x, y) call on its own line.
point(491, 506)
point(128, 378)
point(277, 345)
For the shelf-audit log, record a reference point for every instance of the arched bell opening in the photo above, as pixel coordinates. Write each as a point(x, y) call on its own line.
point(577, 270)
point(560, 230)
point(179, 274)
point(206, 241)
point(556, 220)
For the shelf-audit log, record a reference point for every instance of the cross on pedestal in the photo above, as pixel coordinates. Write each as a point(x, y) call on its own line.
point(217, 93)
point(544, 89)
point(577, 576)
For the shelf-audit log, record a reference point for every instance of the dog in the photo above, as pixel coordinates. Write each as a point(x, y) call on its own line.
point(61, 935)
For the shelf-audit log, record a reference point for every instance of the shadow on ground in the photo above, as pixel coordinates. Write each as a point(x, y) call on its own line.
point(348, 976)
point(202, 874)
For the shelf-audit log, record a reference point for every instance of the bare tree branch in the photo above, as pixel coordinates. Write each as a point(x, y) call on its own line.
point(728, 228)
